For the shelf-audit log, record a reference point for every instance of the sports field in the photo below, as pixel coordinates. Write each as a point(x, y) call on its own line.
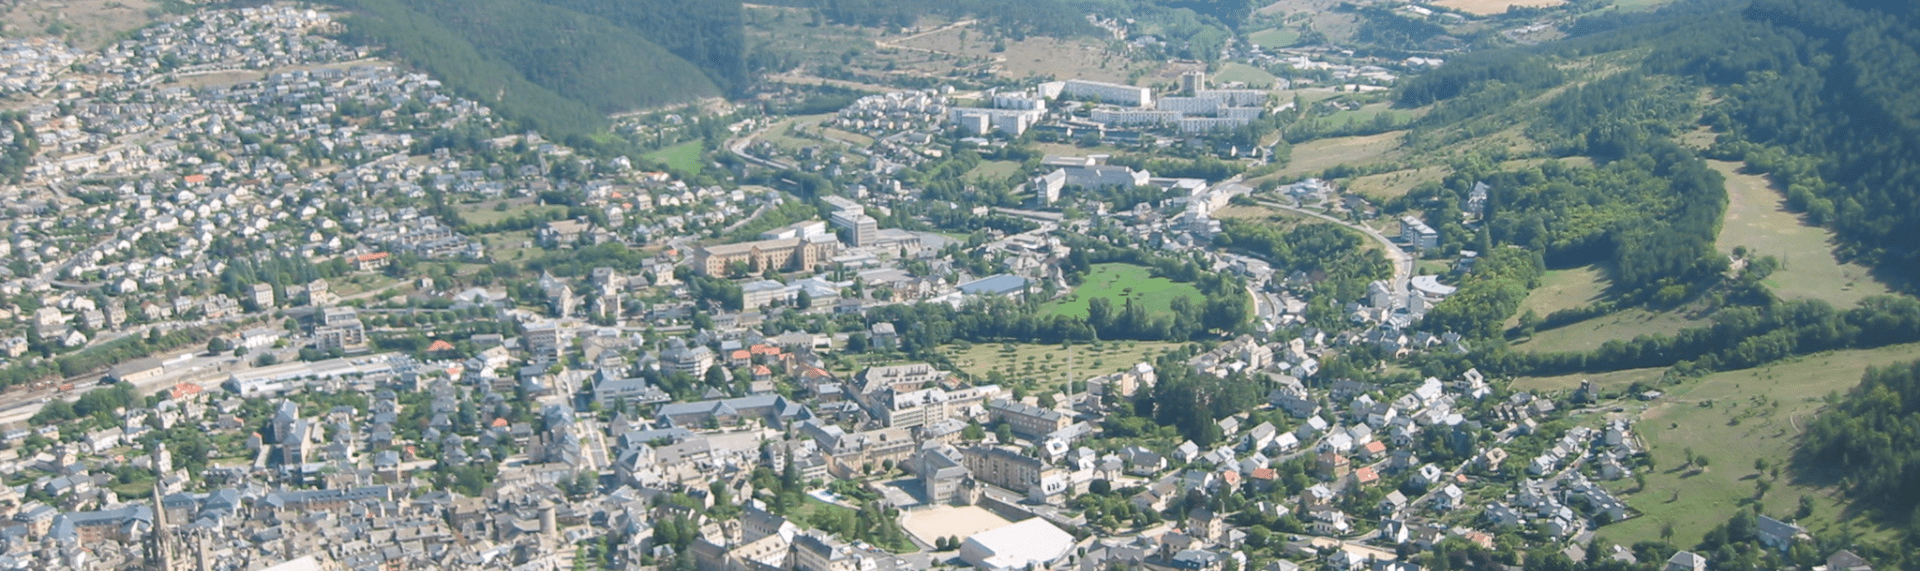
point(962, 522)
point(1120, 283)
point(684, 157)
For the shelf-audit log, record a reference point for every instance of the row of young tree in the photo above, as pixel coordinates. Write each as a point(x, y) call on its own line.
point(1739, 338)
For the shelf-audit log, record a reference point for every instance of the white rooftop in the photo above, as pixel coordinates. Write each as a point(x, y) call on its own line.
point(1033, 543)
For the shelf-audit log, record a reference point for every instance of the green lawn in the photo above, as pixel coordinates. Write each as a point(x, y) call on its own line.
point(485, 213)
point(1252, 76)
point(684, 157)
point(993, 170)
point(1050, 365)
point(1121, 282)
point(1735, 418)
point(1757, 218)
point(1274, 38)
point(1366, 114)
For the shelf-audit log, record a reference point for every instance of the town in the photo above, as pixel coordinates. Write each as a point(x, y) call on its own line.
point(271, 302)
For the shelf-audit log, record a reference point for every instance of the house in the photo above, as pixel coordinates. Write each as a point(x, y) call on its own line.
point(1448, 498)
point(1393, 503)
point(1779, 534)
point(1845, 560)
point(1503, 516)
point(1686, 561)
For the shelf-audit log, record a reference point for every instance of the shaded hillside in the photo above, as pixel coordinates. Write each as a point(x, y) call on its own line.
point(550, 68)
point(709, 34)
point(1834, 82)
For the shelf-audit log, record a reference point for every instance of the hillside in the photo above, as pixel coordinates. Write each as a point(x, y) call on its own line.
point(554, 68)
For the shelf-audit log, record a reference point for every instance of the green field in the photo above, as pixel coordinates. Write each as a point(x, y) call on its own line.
point(1563, 289)
point(1311, 157)
point(684, 157)
point(1366, 114)
point(1393, 184)
point(1050, 365)
point(1757, 218)
point(1252, 76)
point(485, 213)
point(993, 170)
point(1735, 418)
point(1274, 38)
point(1608, 382)
point(1121, 282)
point(1623, 325)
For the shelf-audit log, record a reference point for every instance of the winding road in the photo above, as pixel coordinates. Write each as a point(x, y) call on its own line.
point(1402, 261)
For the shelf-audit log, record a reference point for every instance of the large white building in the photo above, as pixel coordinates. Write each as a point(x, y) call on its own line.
point(1030, 544)
point(1090, 176)
point(1108, 92)
point(977, 121)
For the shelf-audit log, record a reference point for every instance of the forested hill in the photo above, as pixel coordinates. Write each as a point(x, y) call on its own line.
point(562, 66)
point(1825, 95)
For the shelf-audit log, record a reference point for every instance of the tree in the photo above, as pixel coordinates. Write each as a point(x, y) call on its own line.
point(803, 301)
point(218, 345)
point(973, 432)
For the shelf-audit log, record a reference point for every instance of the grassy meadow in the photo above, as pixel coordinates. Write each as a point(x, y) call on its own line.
point(1119, 283)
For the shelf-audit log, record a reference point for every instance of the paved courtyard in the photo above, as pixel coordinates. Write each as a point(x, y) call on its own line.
point(928, 524)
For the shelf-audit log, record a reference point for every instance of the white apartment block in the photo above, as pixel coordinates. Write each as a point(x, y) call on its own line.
point(1108, 92)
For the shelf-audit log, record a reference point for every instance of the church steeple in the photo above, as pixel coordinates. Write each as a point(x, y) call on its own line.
point(160, 541)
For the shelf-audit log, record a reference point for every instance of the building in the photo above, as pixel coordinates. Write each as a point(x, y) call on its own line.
point(762, 293)
point(1108, 92)
point(942, 473)
point(608, 390)
point(262, 295)
point(561, 232)
point(1086, 176)
point(772, 410)
point(1686, 561)
point(1002, 284)
point(543, 340)
point(339, 328)
point(1192, 82)
point(1027, 420)
point(137, 370)
point(863, 229)
point(798, 254)
point(680, 358)
point(1418, 234)
point(1779, 534)
point(976, 121)
point(1008, 468)
point(1030, 544)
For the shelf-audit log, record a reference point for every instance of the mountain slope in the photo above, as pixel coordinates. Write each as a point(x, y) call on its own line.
point(551, 68)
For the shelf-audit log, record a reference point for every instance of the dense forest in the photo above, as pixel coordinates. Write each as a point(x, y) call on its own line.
point(557, 69)
point(1820, 94)
point(1872, 437)
point(1837, 80)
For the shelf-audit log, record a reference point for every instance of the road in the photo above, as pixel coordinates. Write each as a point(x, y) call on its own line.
point(1402, 261)
point(894, 45)
point(739, 148)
